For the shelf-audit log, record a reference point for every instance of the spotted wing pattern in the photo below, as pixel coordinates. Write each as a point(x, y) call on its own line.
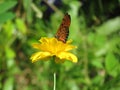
point(63, 30)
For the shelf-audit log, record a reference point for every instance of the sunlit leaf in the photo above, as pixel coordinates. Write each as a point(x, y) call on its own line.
point(9, 53)
point(8, 29)
point(9, 83)
point(21, 25)
point(97, 63)
point(109, 27)
point(99, 40)
point(111, 64)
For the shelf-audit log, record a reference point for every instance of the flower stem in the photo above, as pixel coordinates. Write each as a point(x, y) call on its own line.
point(54, 81)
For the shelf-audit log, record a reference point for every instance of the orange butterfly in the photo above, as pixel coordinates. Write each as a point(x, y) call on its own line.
point(63, 31)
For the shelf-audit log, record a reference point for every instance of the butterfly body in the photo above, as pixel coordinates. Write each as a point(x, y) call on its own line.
point(63, 30)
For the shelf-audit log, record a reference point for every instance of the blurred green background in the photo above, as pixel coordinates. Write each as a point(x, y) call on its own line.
point(95, 30)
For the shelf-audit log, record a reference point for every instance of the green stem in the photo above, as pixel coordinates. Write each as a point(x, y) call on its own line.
point(54, 81)
point(86, 61)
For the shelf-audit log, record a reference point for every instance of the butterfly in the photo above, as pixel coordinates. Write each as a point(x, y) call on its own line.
point(63, 30)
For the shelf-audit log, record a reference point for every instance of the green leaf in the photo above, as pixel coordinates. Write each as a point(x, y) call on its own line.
point(109, 27)
point(27, 7)
point(97, 80)
point(8, 29)
point(91, 37)
point(8, 85)
point(21, 25)
point(10, 54)
point(6, 16)
point(103, 50)
point(109, 45)
point(111, 65)
point(6, 6)
point(99, 40)
point(97, 63)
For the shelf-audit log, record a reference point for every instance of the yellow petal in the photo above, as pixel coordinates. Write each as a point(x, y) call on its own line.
point(36, 46)
point(40, 55)
point(68, 56)
point(44, 40)
point(69, 47)
point(69, 41)
point(53, 47)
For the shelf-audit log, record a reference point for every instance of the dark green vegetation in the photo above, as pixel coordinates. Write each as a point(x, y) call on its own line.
point(95, 29)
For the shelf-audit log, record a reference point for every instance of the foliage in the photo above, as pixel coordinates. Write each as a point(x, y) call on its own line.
point(94, 29)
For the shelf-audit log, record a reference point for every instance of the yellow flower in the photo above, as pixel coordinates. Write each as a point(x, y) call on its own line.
point(52, 47)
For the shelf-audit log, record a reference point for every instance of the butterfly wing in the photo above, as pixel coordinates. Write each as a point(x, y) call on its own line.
point(63, 31)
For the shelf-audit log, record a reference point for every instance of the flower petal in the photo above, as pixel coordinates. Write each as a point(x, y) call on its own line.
point(44, 40)
point(69, 47)
point(69, 41)
point(40, 55)
point(36, 46)
point(68, 56)
point(53, 47)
